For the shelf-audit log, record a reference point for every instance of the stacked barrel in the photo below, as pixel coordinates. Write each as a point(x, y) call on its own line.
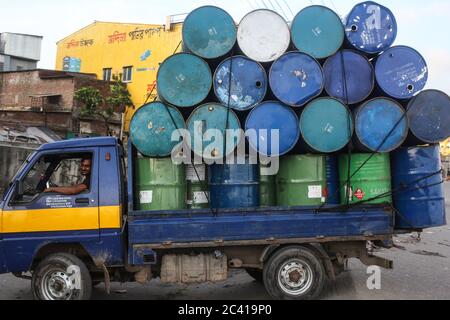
point(353, 122)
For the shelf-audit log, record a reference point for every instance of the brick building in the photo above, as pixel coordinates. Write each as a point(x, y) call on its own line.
point(45, 98)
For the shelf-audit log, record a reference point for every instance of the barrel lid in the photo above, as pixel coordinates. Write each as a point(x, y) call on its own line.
point(202, 124)
point(248, 83)
point(209, 32)
point(272, 115)
point(381, 121)
point(317, 31)
point(151, 129)
point(296, 78)
point(184, 80)
point(359, 75)
point(263, 35)
point(429, 116)
point(371, 27)
point(401, 72)
point(326, 125)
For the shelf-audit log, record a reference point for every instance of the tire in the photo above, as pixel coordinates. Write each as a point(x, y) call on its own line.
point(52, 279)
point(294, 273)
point(255, 274)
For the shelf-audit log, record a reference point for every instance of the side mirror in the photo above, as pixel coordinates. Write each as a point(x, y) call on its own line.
point(19, 188)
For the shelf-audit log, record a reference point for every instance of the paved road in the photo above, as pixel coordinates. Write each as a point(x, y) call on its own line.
point(422, 271)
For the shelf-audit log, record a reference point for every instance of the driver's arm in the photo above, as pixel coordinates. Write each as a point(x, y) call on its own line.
point(69, 191)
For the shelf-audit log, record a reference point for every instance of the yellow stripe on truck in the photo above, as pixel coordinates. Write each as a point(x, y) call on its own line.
point(64, 219)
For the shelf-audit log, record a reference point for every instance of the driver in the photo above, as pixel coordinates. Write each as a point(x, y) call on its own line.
point(85, 170)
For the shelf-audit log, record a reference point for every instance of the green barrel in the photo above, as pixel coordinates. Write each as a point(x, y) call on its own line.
point(197, 187)
point(161, 185)
point(302, 181)
point(373, 180)
point(267, 188)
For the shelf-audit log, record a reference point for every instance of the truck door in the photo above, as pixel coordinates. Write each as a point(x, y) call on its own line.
point(34, 217)
point(2, 255)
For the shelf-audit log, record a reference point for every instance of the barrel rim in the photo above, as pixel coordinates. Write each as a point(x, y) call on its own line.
point(445, 95)
point(188, 54)
point(271, 11)
point(383, 55)
point(394, 20)
point(205, 105)
point(219, 9)
point(308, 56)
point(328, 9)
point(251, 60)
point(350, 116)
point(358, 53)
point(284, 106)
point(397, 104)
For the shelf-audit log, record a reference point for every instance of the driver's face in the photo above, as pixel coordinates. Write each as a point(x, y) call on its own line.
point(86, 167)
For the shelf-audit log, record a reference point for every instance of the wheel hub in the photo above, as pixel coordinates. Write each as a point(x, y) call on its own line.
point(295, 277)
point(58, 286)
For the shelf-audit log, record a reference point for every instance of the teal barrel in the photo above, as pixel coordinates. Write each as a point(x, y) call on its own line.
point(209, 32)
point(184, 80)
point(234, 185)
point(326, 125)
point(419, 197)
point(302, 181)
point(267, 188)
point(151, 129)
point(161, 185)
point(207, 126)
point(197, 187)
point(372, 180)
point(317, 31)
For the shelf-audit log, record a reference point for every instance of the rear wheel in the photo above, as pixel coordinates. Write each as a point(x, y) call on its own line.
point(294, 273)
point(61, 277)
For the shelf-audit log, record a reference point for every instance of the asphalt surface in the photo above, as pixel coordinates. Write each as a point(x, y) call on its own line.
point(421, 271)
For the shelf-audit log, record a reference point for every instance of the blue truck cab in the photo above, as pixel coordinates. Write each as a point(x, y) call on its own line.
point(65, 244)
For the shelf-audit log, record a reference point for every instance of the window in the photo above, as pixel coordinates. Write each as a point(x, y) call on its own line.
point(107, 73)
point(61, 170)
point(127, 72)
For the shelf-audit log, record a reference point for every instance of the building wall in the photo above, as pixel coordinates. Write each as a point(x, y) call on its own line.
point(21, 45)
point(117, 45)
point(17, 64)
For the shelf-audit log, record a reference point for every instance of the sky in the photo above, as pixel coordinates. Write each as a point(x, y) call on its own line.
point(423, 25)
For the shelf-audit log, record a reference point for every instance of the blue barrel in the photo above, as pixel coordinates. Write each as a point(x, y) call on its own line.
point(248, 83)
point(401, 72)
point(333, 188)
point(268, 116)
point(420, 198)
point(205, 123)
point(296, 78)
point(371, 27)
point(151, 129)
point(381, 125)
point(184, 80)
point(359, 77)
point(429, 116)
point(234, 185)
point(326, 125)
point(209, 32)
point(317, 31)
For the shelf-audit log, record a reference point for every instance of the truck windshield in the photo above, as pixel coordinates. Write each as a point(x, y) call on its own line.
point(22, 166)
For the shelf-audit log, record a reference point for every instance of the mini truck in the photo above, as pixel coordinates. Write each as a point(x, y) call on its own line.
point(71, 243)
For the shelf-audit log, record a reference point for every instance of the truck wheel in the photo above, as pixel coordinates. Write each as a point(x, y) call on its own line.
point(294, 273)
point(255, 274)
point(55, 278)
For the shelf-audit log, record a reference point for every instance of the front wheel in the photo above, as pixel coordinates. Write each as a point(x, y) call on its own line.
point(61, 277)
point(294, 273)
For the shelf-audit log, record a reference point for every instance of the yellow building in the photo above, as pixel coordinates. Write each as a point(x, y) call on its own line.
point(133, 50)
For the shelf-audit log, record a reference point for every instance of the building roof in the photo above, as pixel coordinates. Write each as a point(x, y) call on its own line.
point(106, 22)
point(54, 74)
point(81, 143)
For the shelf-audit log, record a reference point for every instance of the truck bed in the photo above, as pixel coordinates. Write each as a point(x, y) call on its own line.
point(205, 228)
